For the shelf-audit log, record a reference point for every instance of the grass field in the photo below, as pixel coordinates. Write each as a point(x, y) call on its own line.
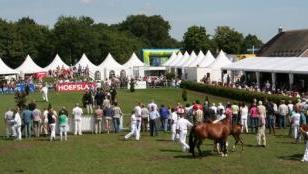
point(110, 154)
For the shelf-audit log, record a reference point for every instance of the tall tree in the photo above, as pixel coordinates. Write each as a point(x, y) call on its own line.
point(153, 30)
point(228, 39)
point(251, 41)
point(196, 38)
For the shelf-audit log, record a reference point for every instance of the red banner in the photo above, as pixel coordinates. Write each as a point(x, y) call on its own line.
point(75, 86)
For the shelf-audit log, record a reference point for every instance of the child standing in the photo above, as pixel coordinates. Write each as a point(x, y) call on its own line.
point(63, 120)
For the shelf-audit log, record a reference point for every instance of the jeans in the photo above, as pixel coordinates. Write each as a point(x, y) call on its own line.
point(36, 128)
point(116, 124)
point(254, 124)
point(271, 123)
point(27, 130)
point(164, 124)
point(282, 121)
point(153, 128)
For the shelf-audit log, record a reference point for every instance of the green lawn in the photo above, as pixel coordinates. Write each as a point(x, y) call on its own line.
point(110, 154)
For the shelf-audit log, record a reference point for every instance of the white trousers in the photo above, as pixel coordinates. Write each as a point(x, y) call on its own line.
point(174, 135)
point(185, 146)
point(78, 127)
point(261, 138)
point(89, 108)
point(45, 96)
point(63, 131)
point(132, 132)
point(52, 131)
point(305, 157)
point(244, 123)
point(17, 129)
point(295, 130)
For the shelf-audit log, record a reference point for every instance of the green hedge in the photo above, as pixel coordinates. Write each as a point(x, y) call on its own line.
point(235, 94)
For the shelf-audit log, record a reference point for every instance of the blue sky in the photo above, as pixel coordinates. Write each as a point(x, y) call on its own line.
point(260, 17)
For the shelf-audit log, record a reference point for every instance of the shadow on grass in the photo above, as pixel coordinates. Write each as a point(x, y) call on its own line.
point(164, 140)
point(189, 155)
point(282, 136)
point(170, 150)
point(294, 157)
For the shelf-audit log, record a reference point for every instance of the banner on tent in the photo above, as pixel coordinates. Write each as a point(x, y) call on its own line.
point(75, 86)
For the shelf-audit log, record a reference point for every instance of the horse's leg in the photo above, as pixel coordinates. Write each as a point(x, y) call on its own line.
point(236, 138)
point(242, 144)
point(225, 144)
point(198, 147)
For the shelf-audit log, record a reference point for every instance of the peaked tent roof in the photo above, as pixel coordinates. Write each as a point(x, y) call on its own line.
point(4, 69)
point(182, 60)
point(198, 59)
point(110, 63)
point(221, 60)
point(29, 67)
point(191, 59)
point(177, 59)
point(171, 59)
point(207, 60)
point(133, 61)
point(57, 62)
point(85, 62)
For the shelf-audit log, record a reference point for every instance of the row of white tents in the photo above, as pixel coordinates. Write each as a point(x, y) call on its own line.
point(109, 64)
point(196, 66)
point(193, 65)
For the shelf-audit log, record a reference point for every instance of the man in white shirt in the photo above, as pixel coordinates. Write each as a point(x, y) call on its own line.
point(77, 112)
point(8, 117)
point(137, 112)
point(174, 120)
point(152, 104)
point(133, 124)
point(182, 126)
point(17, 123)
point(283, 111)
point(45, 92)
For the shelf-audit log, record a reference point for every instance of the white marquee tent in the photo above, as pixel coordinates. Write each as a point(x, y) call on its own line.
point(109, 65)
point(57, 62)
point(85, 62)
point(4, 69)
point(198, 60)
point(183, 60)
point(29, 67)
point(207, 60)
point(171, 59)
point(176, 60)
point(215, 67)
point(132, 65)
point(191, 59)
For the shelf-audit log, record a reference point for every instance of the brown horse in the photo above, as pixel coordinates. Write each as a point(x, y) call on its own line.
point(218, 132)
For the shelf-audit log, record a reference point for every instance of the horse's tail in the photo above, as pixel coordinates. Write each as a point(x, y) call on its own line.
point(191, 139)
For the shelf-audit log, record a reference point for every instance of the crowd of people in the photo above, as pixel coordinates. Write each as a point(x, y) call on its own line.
point(103, 106)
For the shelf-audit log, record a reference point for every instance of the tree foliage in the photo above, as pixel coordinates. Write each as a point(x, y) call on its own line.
point(196, 38)
point(249, 42)
point(228, 39)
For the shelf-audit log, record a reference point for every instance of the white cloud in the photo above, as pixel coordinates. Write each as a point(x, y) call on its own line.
point(87, 1)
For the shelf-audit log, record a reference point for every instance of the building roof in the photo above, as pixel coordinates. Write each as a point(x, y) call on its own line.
point(296, 65)
point(291, 43)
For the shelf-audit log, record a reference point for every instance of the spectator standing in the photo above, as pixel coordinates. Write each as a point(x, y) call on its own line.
point(36, 121)
point(261, 138)
point(52, 118)
point(117, 114)
point(98, 120)
point(63, 123)
point(77, 113)
point(164, 115)
point(270, 115)
point(108, 113)
point(305, 134)
point(17, 124)
point(145, 118)
point(153, 116)
point(283, 111)
point(244, 117)
point(254, 117)
point(295, 122)
point(235, 113)
point(8, 118)
point(27, 119)
point(137, 111)
point(44, 125)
